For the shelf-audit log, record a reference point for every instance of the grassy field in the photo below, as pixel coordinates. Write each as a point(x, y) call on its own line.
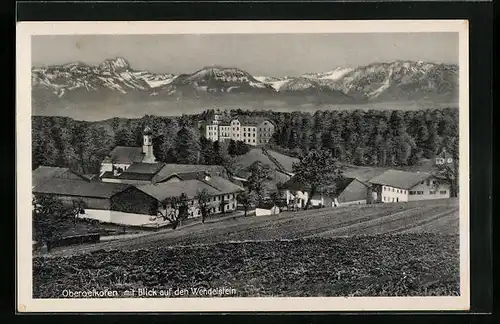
point(374, 250)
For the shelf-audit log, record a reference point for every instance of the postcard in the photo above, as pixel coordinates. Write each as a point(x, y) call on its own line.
point(255, 166)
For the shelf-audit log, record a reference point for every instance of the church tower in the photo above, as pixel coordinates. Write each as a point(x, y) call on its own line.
point(147, 146)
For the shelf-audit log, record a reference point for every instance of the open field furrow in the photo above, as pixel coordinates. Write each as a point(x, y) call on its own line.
point(448, 224)
point(404, 222)
point(357, 228)
point(428, 220)
point(385, 265)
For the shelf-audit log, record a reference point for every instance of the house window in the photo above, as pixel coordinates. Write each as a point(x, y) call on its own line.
point(412, 192)
point(392, 189)
point(420, 192)
point(192, 202)
point(254, 141)
point(392, 199)
point(428, 182)
point(422, 182)
point(432, 192)
point(215, 198)
point(198, 212)
point(443, 192)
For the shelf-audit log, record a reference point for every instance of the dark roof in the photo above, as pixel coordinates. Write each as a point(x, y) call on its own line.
point(400, 179)
point(170, 169)
point(44, 173)
point(144, 168)
point(164, 190)
point(80, 188)
point(127, 176)
point(223, 185)
point(251, 120)
point(266, 205)
point(125, 154)
point(189, 175)
point(338, 185)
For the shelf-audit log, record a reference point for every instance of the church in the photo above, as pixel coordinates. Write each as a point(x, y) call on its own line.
point(122, 157)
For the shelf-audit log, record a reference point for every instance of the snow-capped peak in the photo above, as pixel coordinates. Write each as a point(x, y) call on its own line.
point(117, 63)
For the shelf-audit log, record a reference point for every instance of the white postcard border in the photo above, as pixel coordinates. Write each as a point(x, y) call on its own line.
point(25, 302)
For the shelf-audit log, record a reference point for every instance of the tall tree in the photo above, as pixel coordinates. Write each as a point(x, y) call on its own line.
point(246, 199)
point(50, 219)
point(260, 173)
point(187, 147)
point(316, 169)
point(204, 199)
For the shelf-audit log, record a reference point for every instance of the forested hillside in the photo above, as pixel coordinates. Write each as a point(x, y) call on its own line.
point(378, 138)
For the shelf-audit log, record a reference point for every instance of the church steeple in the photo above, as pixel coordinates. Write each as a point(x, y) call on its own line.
point(147, 145)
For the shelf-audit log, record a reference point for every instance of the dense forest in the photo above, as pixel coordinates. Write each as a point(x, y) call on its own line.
point(377, 138)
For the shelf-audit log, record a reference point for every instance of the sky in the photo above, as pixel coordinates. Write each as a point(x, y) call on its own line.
point(258, 54)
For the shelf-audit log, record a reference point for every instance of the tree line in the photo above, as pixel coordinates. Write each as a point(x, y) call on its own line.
point(371, 138)
point(81, 145)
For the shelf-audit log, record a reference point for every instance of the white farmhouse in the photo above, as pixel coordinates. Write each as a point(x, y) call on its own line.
point(397, 186)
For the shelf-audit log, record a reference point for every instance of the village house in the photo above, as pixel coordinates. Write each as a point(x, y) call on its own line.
point(343, 192)
point(266, 209)
point(223, 193)
point(135, 204)
point(398, 186)
point(250, 130)
point(105, 202)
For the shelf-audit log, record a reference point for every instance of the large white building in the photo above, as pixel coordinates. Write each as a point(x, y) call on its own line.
point(250, 130)
point(397, 186)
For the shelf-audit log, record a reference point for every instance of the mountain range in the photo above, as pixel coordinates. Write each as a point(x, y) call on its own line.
point(114, 79)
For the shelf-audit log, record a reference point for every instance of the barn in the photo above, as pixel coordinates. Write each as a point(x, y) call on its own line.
point(106, 202)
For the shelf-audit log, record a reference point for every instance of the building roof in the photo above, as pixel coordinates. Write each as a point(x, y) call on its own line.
point(125, 154)
point(44, 173)
point(400, 179)
point(127, 176)
point(80, 188)
point(223, 185)
point(266, 205)
point(144, 168)
point(164, 190)
point(251, 120)
point(170, 169)
point(338, 185)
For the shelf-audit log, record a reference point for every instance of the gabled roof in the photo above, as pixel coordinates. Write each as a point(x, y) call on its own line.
point(266, 205)
point(80, 188)
point(125, 154)
point(44, 173)
point(400, 179)
point(338, 185)
point(251, 120)
point(164, 190)
point(170, 169)
point(223, 185)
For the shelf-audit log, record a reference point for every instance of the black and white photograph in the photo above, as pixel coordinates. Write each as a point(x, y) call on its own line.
point(243, 166)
